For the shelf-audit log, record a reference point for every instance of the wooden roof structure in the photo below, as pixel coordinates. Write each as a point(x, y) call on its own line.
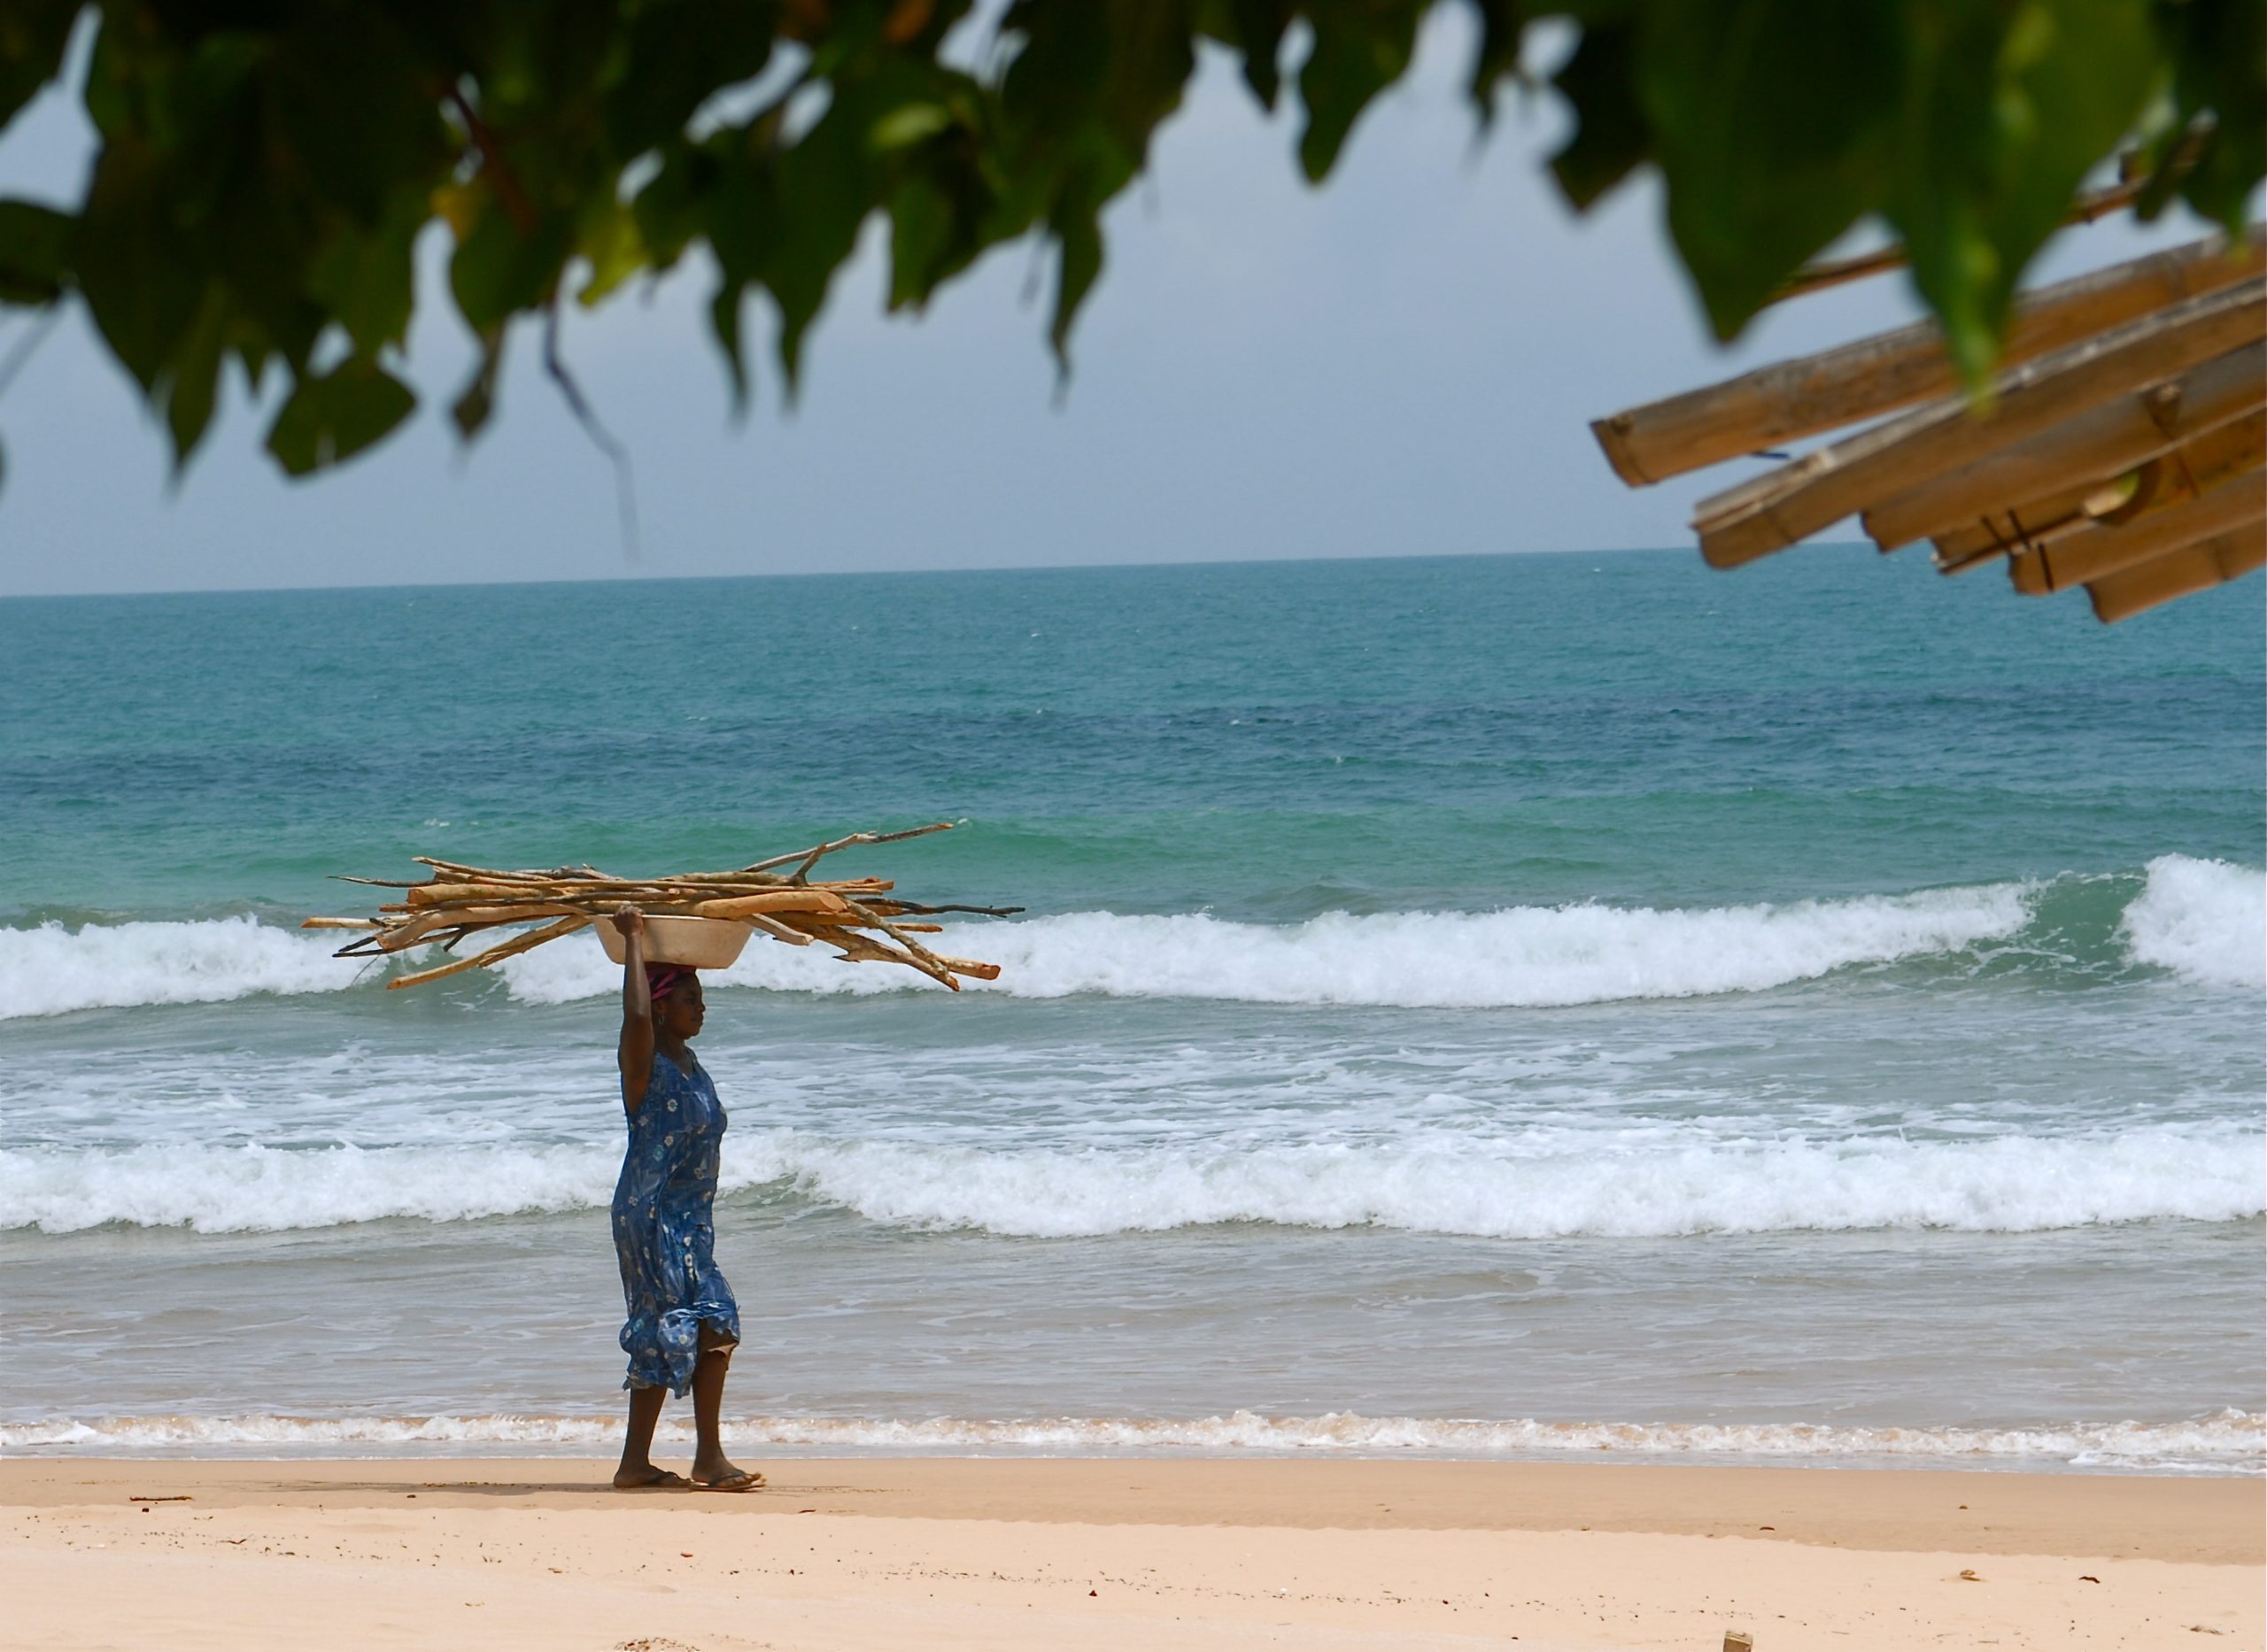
point(2120, 447)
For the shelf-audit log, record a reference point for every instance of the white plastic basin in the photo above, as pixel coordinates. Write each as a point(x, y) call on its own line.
point(695, 943)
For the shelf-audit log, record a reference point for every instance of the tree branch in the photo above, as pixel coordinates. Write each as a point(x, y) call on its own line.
point(626, 492)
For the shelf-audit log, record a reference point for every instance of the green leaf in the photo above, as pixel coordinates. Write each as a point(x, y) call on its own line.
point(1360, 48)
point(824, 185)
point(908, 124)
point(476, 403)
point(140, 282)
point(1255, 29)
point(2219, 71)
point(609, 240)
point(724, 322)
point(2016, 108)
point(191, 382)
point(357, 107)
point(367, 278)
point(1771, 122)
point(1078, 230)
point(33, 264)
point(672, 208)
point(939, 205)
point(739, 210)
point(923, 225)
point(332, 416)
point(33, 35)
point(1611, 138)
point(679, 53)
point(498, 271)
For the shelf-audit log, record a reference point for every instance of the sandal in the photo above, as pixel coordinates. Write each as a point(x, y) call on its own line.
point(739, 1480)
point(663, 1480)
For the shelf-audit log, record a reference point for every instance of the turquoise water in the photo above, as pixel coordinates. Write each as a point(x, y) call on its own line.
point(1474, 1001)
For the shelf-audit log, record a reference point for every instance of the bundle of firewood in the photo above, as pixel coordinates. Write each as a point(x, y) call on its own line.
point(859, 915)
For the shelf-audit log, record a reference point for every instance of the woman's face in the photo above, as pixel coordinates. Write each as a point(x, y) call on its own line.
point(681, 1009)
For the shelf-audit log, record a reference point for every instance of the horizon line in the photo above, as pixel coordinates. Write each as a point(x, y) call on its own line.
point(912, 572)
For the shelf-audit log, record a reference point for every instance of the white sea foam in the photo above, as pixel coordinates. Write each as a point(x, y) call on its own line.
point(1663, 1183)
point(2204, 920)
point(1521, 956)
point(50, 970)
point(2227, 1442)
point(1493, 1190)
point(258, 1189)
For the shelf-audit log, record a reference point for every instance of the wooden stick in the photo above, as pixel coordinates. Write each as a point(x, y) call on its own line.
point(481, 873)
point(1795, 501)
point(970, 966)
point(476, 917)
point(825, 921)
point(779, 900)
point(2114, 197)
point(1789, 400)
point(810, 856)
point(858, 945)
point(494, 954)
point(459, 900)
point(777, 930)
point(935, 965)
point(896, 907)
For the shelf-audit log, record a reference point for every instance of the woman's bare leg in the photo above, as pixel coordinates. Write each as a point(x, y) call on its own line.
point(638, 1468)
point(709, 1464)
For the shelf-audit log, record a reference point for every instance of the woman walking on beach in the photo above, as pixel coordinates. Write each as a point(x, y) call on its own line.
point(684, 1324)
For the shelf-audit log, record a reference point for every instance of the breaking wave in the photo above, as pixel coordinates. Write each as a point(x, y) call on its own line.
point(2227, 1442)
point(51, 971)
point(1519, 957)
point(2204, 920)
point(1665, 1182)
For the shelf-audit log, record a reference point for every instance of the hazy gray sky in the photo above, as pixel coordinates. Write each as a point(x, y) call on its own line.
point(1404, 362)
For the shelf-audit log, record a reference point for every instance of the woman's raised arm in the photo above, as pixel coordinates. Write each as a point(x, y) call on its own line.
point(637, 1049)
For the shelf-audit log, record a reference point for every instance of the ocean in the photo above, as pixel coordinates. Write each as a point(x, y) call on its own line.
point(1478, 1007)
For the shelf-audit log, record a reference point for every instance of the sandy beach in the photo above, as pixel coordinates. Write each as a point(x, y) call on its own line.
point(875, 1553)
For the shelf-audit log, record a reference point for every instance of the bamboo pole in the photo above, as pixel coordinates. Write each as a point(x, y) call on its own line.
point(2180, 574)
point(2193, 467)
point(1795, 501)
point(2095, 446)
point(1790, 400)
point(2083, 558)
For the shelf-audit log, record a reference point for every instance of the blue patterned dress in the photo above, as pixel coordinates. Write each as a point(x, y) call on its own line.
point(663, 1234)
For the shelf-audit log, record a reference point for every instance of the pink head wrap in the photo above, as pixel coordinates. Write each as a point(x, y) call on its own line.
point(660, 978)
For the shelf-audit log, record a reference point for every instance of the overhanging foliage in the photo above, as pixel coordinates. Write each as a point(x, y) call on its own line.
point(264, 169)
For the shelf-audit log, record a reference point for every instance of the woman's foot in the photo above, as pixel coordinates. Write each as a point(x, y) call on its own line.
point(718, 1475)
point(644, 1476)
